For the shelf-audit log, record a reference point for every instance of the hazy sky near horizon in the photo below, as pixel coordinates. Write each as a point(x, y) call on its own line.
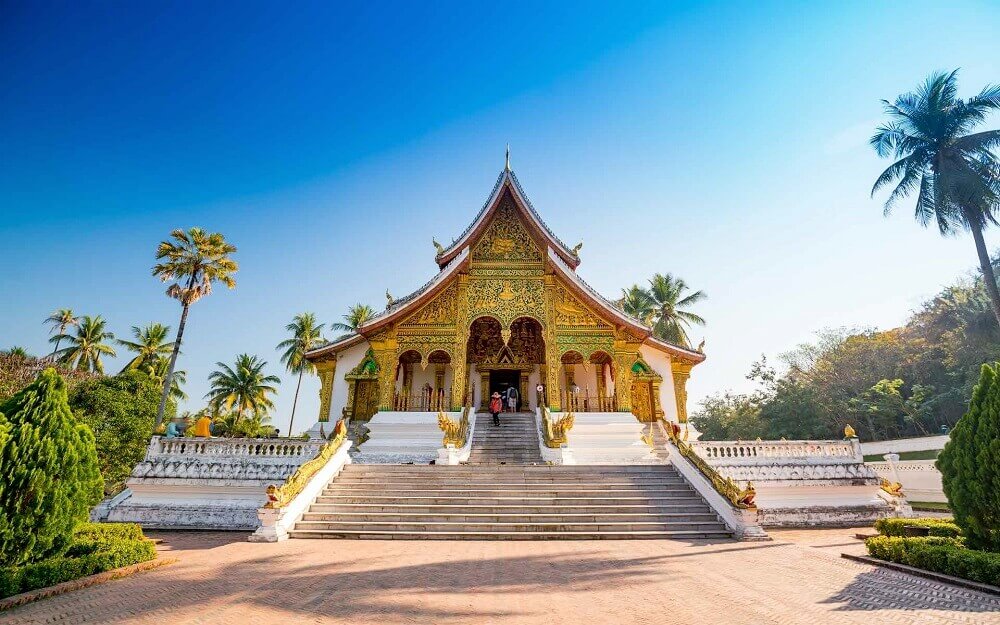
point(723, 142)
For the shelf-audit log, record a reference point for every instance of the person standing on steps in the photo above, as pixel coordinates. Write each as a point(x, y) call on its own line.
point(496, 407)
point(512, 399)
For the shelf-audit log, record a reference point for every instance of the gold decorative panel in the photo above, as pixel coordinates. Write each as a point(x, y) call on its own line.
point(506, 239)
point(440, 311)
point(571, 312)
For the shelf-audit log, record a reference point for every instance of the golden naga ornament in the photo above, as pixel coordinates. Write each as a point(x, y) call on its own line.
point(849, 431)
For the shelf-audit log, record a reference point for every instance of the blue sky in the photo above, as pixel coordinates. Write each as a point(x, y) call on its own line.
point(724, 142)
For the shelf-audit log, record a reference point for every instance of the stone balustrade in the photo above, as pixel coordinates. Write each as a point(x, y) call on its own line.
point(777, 452)
point(280, 451)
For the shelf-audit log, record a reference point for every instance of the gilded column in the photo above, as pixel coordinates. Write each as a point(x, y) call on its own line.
point(326, 370)
point(459, 385)
point(551, 347)
point(385, 347)
point(625, 356)
point(681, 372)
point(484, 388)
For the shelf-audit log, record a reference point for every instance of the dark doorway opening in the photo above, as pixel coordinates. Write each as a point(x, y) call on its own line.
point(501, 380)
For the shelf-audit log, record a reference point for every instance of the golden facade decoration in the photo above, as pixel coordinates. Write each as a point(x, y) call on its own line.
point(506, 299)
point(506, 239)
point(326, 370)
point(438, 312)
point(571, 312)
point(681, 372)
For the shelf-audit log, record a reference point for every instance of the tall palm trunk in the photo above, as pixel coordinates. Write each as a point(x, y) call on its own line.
point(170, 370)
point(987, 266)
point(295, 402)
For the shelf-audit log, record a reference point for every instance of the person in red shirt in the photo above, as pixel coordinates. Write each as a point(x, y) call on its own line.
point(496, 407)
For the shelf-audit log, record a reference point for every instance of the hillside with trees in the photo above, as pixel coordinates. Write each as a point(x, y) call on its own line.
point(905, 381)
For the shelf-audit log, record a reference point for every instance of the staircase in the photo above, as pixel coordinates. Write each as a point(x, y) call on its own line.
point(509, 502)
point(513, 442)
point(506, 492)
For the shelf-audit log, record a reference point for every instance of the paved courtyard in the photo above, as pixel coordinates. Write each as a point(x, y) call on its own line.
point(798, 578)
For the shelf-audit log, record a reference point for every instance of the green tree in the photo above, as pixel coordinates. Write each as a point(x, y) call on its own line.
point(50, 473)
point(120, 411)
point(955, 174)
point(243, 387)
point(150, 344)
point(306, 335)
point(88, 345)
point(60, 320)
point(670, 300)
point(638, 303)
point(196, 259)
point(970, 465)
point(19, 352)
point(356, 317)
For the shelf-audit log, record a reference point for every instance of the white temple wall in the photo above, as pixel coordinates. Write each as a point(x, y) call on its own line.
point(660, 362)
point(346, 361)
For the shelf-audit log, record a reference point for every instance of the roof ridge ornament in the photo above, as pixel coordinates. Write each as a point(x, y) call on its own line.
point(506, 165)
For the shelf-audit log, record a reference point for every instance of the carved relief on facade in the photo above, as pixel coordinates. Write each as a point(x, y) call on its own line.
point(506, 299)
point(438, 312)
point(506, 239)
point(586, 344)
point(571, 312)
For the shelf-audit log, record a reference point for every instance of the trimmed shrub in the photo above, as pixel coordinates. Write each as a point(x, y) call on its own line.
point(938, 554)
point(94, 550)
point(936, 527)
point(970, 465)
point(50, 477)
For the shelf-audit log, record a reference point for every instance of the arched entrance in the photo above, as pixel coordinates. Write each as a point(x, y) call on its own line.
point(505, 358)
point(421, 384)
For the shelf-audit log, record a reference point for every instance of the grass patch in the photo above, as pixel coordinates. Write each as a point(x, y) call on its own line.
point(928, 454)
point(930, 506)
point(96, 547)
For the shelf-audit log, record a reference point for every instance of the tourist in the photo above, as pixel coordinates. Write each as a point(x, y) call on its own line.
point(496, 406)
point(512, 399)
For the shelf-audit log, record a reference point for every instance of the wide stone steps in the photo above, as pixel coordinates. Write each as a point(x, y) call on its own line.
point(509, 502)
point(514, 441)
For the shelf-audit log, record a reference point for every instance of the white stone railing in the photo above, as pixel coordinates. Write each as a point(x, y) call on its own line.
point(255, 448)
point(734, 453)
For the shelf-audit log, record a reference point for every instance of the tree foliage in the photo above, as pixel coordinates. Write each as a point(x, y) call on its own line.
point(664, 306)
point(243, 388)
point(87, 346)
point(906, 381)
point(970, 465)
point(48, 461)
point(120, 411)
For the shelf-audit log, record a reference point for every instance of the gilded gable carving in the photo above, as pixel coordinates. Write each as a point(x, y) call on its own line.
point(439, 311)
point(506, 239)
point(571, 312)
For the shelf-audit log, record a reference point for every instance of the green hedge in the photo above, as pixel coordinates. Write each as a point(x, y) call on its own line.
point(96, 548)
point(938, 554)
point(937, 527)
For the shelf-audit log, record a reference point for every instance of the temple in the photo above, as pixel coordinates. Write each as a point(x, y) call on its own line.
point(506, 308)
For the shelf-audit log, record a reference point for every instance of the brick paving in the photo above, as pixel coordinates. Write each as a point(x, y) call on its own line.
point(798, 578)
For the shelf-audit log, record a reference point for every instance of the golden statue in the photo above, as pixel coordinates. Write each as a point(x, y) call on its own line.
point(437, 246)
point(203, 427)
point(849, 431)
point(577, 248)
point(388, 299)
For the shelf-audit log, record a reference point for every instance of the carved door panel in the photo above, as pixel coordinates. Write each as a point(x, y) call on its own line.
point(642, 401)
point(365, 399)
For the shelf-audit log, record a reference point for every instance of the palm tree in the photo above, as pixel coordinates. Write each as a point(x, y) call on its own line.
point(306, 335)
point(88, 345)
point(157, 370)
point(955, 175)
point(671, 320)
point(637, 302)
point(243, 387)
point(356, 317)
point(151, 344)
point(196, 259)
point(61, 319)
point(19, 352)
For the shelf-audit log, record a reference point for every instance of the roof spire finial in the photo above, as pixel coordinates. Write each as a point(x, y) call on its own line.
point(507, 161)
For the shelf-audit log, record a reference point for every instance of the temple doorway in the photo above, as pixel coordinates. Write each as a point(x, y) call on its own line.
point(503, 379)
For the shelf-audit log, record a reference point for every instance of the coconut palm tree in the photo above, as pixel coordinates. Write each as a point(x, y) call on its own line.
point(87, 346)
point(670, 317)
point(637, 302)
point(157, 370)
point(195, 259)
point(306, 335)
point(356, 317)
point(19, 352)
point(60, 320)
point(151, 344)
point(954, 174)
point(242, 387)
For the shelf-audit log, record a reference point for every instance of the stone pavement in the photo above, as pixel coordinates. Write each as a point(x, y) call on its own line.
point(798, 578)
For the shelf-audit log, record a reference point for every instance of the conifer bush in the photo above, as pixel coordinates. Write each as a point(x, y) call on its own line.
point(970, 465)
point(51, 479)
